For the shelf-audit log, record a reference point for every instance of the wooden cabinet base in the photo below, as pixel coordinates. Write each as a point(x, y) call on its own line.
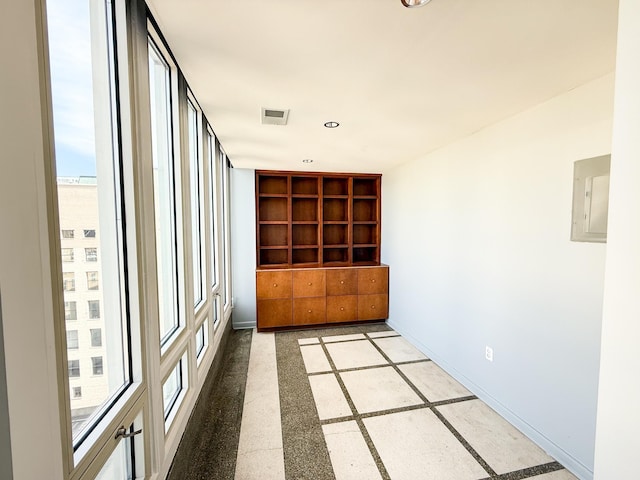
point(274, 313)
point(289, 298)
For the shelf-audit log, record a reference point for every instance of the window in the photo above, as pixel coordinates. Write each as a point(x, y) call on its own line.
point(213, 217)
point(91, 254)
point(201, 339)
point(67, 254)
point(226, 252)
point(164, 192)
point(67, 233)
point(94, 309)
point(171, 389)
point(68, 281)
point(72, 339)
point(92, 280)
point(96, 337)
point(195, 167)
point(70, 312)
point(74, 368)
point(96, 365)
point(93, 158)
point(76, 392)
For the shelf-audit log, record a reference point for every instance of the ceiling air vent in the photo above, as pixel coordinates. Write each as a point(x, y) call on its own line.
point(271, 116)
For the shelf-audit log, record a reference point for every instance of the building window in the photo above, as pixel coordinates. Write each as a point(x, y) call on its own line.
point(201, 339)
point(89, 234)
point(91, 254)
point(213, 216)
point(69, 281)
point(171, 389)
point(70, 312)
point(92, 280)
point(166, 200)
point(67, 254)
point(74, 368)
point(76, 392)
point(197, 200)
point(94, 309)
point(96, 364)
point(96, 337)
point(72, 339)
point(67, 233)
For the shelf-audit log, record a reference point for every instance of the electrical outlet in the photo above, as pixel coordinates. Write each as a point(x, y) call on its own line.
point(488, 353)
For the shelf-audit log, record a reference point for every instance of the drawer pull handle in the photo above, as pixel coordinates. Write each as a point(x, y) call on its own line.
point(308, 311)
point(373, 307)
point(275, 284)
point(341, 282)
point(373, 280)
point(342, 309)
point(309, 283)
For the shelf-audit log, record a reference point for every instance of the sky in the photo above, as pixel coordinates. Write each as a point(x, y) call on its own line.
point(71, 86)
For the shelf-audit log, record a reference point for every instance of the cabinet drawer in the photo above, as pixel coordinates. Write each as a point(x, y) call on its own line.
point(309, 311)
point(273, 284)
point(373, 280)
point(343, 308)
point(309, 283)
point(342, 281)
point(373, 307)
point(274, 313)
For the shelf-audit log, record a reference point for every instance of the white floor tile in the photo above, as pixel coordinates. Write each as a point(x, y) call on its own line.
point(355, 354)
point(416, 445)
point(500, 444)
point(315, 359)
point(559, 475)
point(390, 333)
point(308, 341)
point(433, 382)
point(327, 394)
point(260, 445)
point(377, 389)
point(350, 456)
point(398, 349)
point(343, 338)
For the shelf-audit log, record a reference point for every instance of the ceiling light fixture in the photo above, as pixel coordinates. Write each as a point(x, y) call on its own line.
point(307, 160)
point(331, 124)
point(414, 3)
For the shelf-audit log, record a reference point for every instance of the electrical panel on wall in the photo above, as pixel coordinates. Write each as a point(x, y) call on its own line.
point(590, 199)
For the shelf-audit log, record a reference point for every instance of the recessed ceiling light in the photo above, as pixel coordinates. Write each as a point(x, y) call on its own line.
point(331, 124)
point(414, 3)
point(307, 160)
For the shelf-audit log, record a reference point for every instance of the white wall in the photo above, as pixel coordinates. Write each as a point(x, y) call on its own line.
point(243, 247)
point(27, 303)
point(477, 238)
point(617, 439)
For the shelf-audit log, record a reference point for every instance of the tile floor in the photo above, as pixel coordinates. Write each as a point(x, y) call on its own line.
point(387, 411)
point(362, 403)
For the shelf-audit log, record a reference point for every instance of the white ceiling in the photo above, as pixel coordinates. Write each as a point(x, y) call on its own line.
point(401, 82)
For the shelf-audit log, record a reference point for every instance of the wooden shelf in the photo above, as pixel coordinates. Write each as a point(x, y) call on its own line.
point(273, 184)
point(317, 219)
point(304, 185)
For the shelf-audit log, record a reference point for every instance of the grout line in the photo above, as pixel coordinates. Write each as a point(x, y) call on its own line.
point(367, 367)
point(528, 472)
point(450, 427)
point(525, 473)
point(357, 417)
